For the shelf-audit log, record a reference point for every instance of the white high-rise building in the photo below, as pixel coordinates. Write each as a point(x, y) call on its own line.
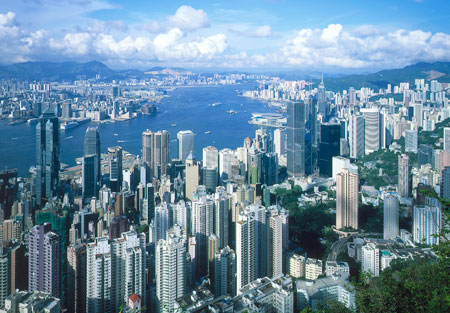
point(185, 144)
point(98, 276)
point(411, 141)
point(339, 163)
point(427, 222)
point(347, 187)
point(275, 244)
point(371, 130)
point(162, 221)
point(390, 217)
point(296, 264)
point(279, 141)
point(170, 269)
point(313, 268)
point(210, 157)
point(222, 209)
point(226, 156)
point(356, 136)
point(4, 281)
point(446, 138)
point(251, 245)
point(370, 259)
point(403, 176)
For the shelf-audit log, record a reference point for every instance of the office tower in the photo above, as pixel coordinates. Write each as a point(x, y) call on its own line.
point(222, 206)
point(427, 222)
point(209, 178)
point(425, 155)
point(275, 244)
point(76, 278)
point(255, 166)
point(411, 141)
point(251, 245)
point(185, 144)
point(147, 149)
point(322, 101)
point(404, 180)
point(115, 168)
point(225, 272)
point(279, 141)
point(48, 157)
point(161, 150)
point(446, 138)
point(352, 96)
point(44, 260)
point(4, 276)
point(118, 225)
point(148, 207)
point(445, 183)
point(371, 130)
point(347, 185)
point(295, 139)
point(312, 130)
point(170, 269)
point(270, 168)
point(356, 136)
point(338, 164)
point(128, 268)
point(66, 111)
point(390, 217)
point(418, 114)
point(98, 277)
point(226, 156)
point(202, 224)
point(192, 176)
point(210, 157)
point(328, 148)
point(370, 259)
point(313, 268)
point(92, 147)
point(90, 177)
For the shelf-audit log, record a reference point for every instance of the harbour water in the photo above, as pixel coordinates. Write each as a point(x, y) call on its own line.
point(185, 108)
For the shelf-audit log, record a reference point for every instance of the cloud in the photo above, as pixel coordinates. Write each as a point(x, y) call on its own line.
point(8, 19)
point(189, 19)
point(262, 31)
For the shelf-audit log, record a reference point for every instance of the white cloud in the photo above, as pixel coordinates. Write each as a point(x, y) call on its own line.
point(262, 31)
point(8, 19)
point(189, 19)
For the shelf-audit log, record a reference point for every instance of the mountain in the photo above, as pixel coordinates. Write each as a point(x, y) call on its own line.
point(437, 70)
point(55, 71)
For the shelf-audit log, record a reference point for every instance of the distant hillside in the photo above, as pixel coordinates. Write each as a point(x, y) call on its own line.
point(438, 70)
point(54, 71)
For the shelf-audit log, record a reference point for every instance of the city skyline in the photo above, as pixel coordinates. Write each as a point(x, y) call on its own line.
point(354, 36)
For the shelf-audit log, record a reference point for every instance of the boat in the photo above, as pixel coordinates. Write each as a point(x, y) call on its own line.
point(214, 104)
point(116, 134)
point(207, 132)
point(68, 125)
point(33, 121)
point(173, 124)
point(231, 112)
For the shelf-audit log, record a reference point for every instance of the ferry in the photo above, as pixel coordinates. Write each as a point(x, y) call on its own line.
point(207, 132)
point(215, 104)
point(173, 124)
point(231, 112)
point(68, 125)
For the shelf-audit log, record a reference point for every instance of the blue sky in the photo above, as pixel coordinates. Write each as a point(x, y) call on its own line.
point(330, 35)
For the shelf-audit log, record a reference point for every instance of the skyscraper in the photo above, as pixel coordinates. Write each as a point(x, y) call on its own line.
point(222, 218)
point(170, 269)
point(295, 139)
point(390, 217)
point(226, 156)
point(92, 146)
point(90, 176)
point(371, 129)
point(44, 260)
point(161, 150)
point(48, 157)
point(356, 136)
point(427, 222)
point(192, 176)
point(210, 157)
point(446, 138)
point(275, 244)
point(404, 181)
point(322, 101)
point(185, 144)
point(225, 272)
point(411, 141)
point(115, 168)
point(329, 147)
point(445, 183)
point(279, 141)
point(76, 278)
point(347, 185)
point(147, 149)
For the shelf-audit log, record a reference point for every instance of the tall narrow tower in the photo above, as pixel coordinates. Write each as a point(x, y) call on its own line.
point(347, 184)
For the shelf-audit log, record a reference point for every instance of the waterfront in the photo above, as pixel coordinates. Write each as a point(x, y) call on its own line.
point(187, 108)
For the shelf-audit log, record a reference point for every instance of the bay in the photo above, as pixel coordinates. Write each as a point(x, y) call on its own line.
point(187, 107)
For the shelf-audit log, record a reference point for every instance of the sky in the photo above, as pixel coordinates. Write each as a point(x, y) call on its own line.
point(317, 35)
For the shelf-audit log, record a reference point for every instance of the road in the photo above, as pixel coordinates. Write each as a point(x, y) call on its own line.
point(338, 246)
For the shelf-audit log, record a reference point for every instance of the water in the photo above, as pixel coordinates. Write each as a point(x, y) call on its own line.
point(187, 107)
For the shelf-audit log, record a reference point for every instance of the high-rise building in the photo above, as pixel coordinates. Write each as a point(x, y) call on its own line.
point(427, 222)
point(147, 148)
point(329, 147)
point(161, 150)
point(411, 141)
point(275, 244)
point(404, 177)
point(445, 183)
point(192, 176)
point(170, 270)
point(356, 136)
point(347, 187)
point(370, 259)
point(76, 278)
point(225, 272)
point(296, 265)
point(48, 157)
point(338, 164)
point(115, 168)
point(390, 217)
point(118, 225)
point(185, 144)
point(210, 178)
point(226, 156)
point(210, 157)
point(4, 276)
point(322, 101)
point(446, 138)
point(371, 130)
point(222, 208)
point(162, 221)
point(295, 139)
point(92, 147)
point(251, 245)
point(279, 141)
point(425, 155)
point(44, 260)
point(90, 177)
point(313, 268)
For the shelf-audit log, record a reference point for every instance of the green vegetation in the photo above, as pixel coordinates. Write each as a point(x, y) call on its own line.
point(385, 160)
point(370, 218)
point(433, 137)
